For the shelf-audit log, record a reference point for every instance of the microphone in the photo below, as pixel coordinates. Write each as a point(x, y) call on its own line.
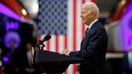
point(47, 37)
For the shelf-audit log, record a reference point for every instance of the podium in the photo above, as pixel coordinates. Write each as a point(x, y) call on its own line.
point(54, 63)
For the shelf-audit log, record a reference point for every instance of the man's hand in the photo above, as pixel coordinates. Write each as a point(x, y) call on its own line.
point(65, 51)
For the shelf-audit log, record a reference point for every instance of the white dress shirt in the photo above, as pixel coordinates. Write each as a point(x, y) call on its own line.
point(130, 59)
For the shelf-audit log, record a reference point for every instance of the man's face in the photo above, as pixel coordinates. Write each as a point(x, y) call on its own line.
point(85, 15)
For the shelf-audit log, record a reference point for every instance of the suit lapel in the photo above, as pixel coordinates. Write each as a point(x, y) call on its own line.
point(85, 40)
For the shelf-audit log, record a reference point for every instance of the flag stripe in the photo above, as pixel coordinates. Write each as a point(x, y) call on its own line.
point(74, 25)
point(61, 43)
point(65, 41)
point(78, 24)
point(48, 45)
point(74, 31)
point(65, 46)
point(70, 32)
point(57, 43)
point(52, 43)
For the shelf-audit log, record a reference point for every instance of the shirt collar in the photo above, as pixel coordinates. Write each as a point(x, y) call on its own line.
point(90, 25)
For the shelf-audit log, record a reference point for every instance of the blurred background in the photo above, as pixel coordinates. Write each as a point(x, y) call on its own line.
point(24, 22)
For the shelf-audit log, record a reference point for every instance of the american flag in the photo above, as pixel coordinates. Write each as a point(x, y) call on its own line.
point(61, 19)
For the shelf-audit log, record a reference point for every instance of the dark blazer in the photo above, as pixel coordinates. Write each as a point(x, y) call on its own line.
point(19, 61)
point(93, 50)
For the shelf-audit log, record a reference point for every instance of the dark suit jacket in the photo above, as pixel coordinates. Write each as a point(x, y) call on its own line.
point(93, 50)
point(18, 60)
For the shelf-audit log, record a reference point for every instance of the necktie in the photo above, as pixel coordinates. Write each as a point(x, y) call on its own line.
point(87, 30)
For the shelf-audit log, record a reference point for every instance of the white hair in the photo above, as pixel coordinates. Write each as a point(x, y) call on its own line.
point(92, 8)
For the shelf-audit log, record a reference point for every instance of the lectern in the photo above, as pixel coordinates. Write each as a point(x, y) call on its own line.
point(54, 63)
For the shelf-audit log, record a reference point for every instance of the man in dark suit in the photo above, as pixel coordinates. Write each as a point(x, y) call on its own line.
point(127, 62)
point(94, 44)
point(21, 62)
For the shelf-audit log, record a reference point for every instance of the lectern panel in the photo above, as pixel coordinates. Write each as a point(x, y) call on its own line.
point(52, 62)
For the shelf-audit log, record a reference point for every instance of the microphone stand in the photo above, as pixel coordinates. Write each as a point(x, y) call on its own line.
point(42, 46)
point(35, 50)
